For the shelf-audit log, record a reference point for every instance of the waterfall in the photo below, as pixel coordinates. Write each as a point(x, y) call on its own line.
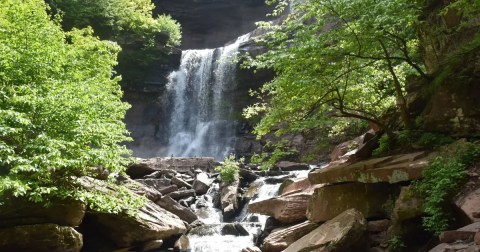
point(201, 116)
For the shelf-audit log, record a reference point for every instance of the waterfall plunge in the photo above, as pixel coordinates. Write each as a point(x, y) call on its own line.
point(201, 122)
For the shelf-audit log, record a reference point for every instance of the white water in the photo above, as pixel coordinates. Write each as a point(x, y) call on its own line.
point(201, 121)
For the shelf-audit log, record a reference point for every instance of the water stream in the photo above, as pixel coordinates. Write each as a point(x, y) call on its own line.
point(208, 238)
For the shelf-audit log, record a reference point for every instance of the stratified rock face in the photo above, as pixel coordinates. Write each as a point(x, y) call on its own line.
point(151, 223)
point(23, 212)
point(343, 233)
point(213, 23)
point(369, 199)
point(280, 238)
point(286, 209)
point(41, 238)
point(391, 169)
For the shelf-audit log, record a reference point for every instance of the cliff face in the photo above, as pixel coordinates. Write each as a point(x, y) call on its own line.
point(213, 23)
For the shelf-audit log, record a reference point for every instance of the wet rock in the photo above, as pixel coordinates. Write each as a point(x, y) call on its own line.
point(228, 198)
point(280, 238)
point(391, 169)
point(174, 207)
point(247, 175)
point(181, 183)
point(205, 230)
point(168, 189)
point(180, 194)
point(277, 179)
point(202, 183)
point(235, 229)
point(23, 212)
point(251, 249)
point(294, 186)
point(152, 245)
point(252, 190)
point(345, 232)
point(292, 166)
point(370, 199)
point(287, 209)
point(151, 223)
point(41, 238)
point(182, 244)
point(187, 202)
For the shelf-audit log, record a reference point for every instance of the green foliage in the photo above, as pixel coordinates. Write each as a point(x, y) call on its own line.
point(442, 178)
point(60, 107)
point(229, 168)
point(432, 140)
point(395, 244)
point(385, 146)
point(336, 59)
point(130, 23)
point(266, 161)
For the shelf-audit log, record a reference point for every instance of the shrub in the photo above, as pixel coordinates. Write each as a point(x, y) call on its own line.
point(229, 169)
point(442, 179)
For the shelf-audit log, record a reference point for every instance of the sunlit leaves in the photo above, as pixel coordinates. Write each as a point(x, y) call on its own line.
point(60, 104)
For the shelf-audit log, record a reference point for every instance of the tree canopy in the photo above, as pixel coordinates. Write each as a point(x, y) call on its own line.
point(337, 59)
point(60, 108)
point(130, 23)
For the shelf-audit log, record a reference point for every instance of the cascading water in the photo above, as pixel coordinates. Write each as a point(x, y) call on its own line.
point(201, 121)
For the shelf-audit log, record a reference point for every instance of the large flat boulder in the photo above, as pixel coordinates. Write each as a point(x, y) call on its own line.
point(345, 232)
point(287, 209)
point(40, 238)
point(280, 238)
point(292, 166)
point(151, 223)
point(391, 169)
point(174, 207)
point(202, 183)
point(23, 212)
point(178, 164)
point(369, 199)
point(294, 186)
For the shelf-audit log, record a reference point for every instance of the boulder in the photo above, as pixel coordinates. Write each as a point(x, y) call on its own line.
point(235, 229)
point(278, 179)
point(280, 238)
point(391, 169)
point(345, 232)
point(377, 226)
point(287, 209)
point(150, 223)
point(294, 186)
point(20, 211)
point(369, 199)
point(168, 189)
point(143, 189)
point(182, 244)
point(451, 236)
point(202, 183)
point(177, 164)
point(152, 245)
point(291, 166)
point(174, 207)
point(228, 198)
point(157, 183)
point(180, 194)
point(407, 206)
point(41, 238)
point(247, 175)
point(469, 204)
point(181, 182)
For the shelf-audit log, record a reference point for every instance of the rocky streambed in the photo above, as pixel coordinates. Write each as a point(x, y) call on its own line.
point(347, 205)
